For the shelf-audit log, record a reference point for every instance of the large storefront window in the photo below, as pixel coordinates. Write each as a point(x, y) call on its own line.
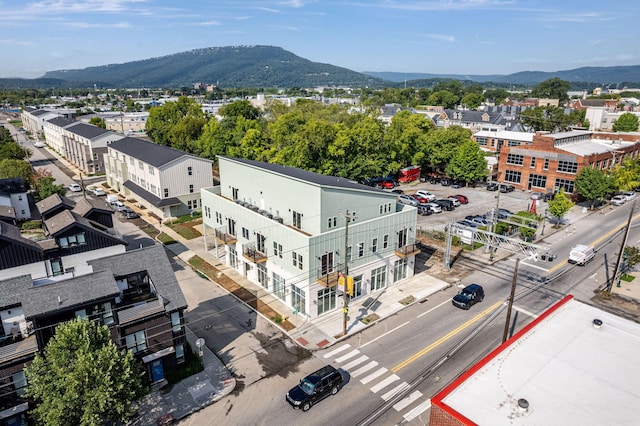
point(567, 167)
point(567, 184)
point(378, 278)
point(537, 181)
point(278, 285)
point(263, 278)
point(298, 300)
point(512, 176)
point(326, 300)
point(399, 270)
point(233, 258)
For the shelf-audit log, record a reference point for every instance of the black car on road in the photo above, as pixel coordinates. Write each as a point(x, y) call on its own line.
point(315, 387)
point(469, 296)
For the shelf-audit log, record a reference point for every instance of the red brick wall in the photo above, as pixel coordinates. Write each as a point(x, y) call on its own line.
point(439, 417)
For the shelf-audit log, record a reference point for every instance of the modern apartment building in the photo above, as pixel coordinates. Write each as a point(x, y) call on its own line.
point(286, 230)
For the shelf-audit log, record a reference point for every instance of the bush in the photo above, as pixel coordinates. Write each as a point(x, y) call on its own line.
point(31, 224)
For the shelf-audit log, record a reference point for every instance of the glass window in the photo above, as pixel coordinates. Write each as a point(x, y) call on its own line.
point(180, 354)
point(399, 270)
point(166, 192)
point(533, 162)
point(190, 171)
point(360, 249)
point(176, 325)
point(378, 278)
point(512, 176)
point(515, 159)
point(568, 185)
point(107, 314)
point(538, 181)
point(546, 164)
point(298, 300)
point(278, 285)
point(326, 300)
point(385, 241)
point(19, 382)
point(567, 167)
point(191, 189)
point(262, 275)
point(136, 342)
point(374, 245)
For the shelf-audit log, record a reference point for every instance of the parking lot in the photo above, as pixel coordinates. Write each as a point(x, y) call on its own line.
point(481, 201)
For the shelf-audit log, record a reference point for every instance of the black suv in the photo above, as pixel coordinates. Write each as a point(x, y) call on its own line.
point(505, 187)
point(445, 204)
point(492, 186)
point(315, 387)
point(469, 296)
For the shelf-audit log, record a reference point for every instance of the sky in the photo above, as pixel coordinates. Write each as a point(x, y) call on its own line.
point(435, 36)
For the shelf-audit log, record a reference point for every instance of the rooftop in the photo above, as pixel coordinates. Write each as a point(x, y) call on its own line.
point(569, 368)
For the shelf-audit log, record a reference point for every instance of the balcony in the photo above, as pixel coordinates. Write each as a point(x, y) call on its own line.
point(19, 349)
point(252, 254)
point(407, 250)
point(327, 279)
point(224, 237)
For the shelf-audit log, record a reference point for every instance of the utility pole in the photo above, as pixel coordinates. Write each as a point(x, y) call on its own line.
point(514, 280)
point(345, 301)
point(621, 254)
point(494, 222)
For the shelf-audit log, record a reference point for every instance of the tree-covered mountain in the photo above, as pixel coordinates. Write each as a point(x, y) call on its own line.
point(618, 75)
point(233, 66)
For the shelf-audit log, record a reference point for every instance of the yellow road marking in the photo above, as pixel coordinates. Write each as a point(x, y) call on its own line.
point(446, 337)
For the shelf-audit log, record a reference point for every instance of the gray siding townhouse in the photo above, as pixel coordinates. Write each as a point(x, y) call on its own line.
point(135, 294)
point(284, 229)
point(14, 200)
point(164, 181)
point(54, 133)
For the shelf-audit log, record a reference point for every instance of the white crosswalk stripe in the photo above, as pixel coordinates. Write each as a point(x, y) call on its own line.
point(401, 405)
point(355, 362)
point(351, 354)
point(402, 386)
point(418, 410)
point(383, 384)
point(373, 376)
point(360, 371)
point(337, 351)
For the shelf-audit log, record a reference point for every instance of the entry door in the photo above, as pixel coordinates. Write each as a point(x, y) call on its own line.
point(157, 371)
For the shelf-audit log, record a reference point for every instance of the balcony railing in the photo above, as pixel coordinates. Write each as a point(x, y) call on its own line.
point(251, 253)
point(224, 237)
point(328, 276)
point(407, 250)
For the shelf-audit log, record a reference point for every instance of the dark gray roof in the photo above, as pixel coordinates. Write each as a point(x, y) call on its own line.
point(12, 234)
point(88, 131)
point(61, 121)
point(146, 195)
point(52, 202)
point(149, 152)
point(67, 219)
point(12, 290)
point(29, 109)
point(8, 212)
point(304, 175)
point(44, 299)
point(86, 205)
point(154, 260)
point(41, 112)
point(12, 186)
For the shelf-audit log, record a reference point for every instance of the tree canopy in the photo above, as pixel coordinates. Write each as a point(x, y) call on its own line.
point(82, 378)
point(593, 184)
point(560, 205)
point(553, 88)
point(627, 122)
point(468, 163)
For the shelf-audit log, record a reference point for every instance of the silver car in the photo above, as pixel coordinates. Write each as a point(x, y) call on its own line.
point(618, 200)
point(408, 199)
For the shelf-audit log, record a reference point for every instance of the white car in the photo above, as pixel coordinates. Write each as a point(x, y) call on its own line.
point(435, 208)
point(38, 144)
point(98, 192)
point(618, 200)
point(426, 194)
point(630, 195)
point(74, 187)
point(456, 202)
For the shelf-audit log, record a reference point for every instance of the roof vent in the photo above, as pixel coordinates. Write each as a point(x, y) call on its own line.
point(597, 323)
point(523, 405)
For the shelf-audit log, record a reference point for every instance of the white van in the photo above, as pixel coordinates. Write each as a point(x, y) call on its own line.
point(582, 254)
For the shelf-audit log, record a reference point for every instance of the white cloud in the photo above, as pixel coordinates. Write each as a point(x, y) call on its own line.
point(96, 25)
point(441, 37)
point(14, 42)
point(209, 23)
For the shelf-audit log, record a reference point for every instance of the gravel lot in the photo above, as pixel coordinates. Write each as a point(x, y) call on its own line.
point(481, 201)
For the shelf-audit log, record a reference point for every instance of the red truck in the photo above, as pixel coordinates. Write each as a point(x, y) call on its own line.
point(409, 174)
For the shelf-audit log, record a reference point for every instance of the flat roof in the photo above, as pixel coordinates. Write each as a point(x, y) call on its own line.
point(567, 369)
point(506, 134)
point(594, 146)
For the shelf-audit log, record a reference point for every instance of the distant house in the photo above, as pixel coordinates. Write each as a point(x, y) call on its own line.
point(163, 180)
point(492, 118)
point(135, 294)
point(14, 200)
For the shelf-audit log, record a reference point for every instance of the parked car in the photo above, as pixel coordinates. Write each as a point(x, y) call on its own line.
point(388, 184)
point(618, 200)
point(445, 182)
point(537, 196)
point(98, 192)
point(479, 220)
point(445, 204)
point(467, 223)
point(630, 195)
point(118, 206)
point(435, 208)
point(492, 186)
point(315, 387)
point(398, 191)
point(549, 196)
point(74, 187)
point(505, 187)
point(424, 210)
point(408, 199)
point(420, 199)
point(463, 199)
point(426, 194)
point(456, 184)
point(456, 202)
point(469, 296)
point(38, 144)
point(129, 213)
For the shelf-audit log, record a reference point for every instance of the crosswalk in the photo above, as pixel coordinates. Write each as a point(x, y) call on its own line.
point(381, 381)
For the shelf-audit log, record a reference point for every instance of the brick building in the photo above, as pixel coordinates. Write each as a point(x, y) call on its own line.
point(553, 160)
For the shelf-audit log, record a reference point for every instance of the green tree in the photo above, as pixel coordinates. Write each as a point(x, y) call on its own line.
point(14, 151)
point(468, 163)
point(548, 118)
point(496, 95)
point(627, 122)
point(82, 378)
point(627, 175)
point(442, 144)
point(560, 205)
point(443, 98)
point(178, 123)
point(10, 168)
point(631, 255)
point(240, 109)
point(405, 140)
point(553, 88)
point(593, 184)
point(472, 100)
point(45, 186)
point(98, 121)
